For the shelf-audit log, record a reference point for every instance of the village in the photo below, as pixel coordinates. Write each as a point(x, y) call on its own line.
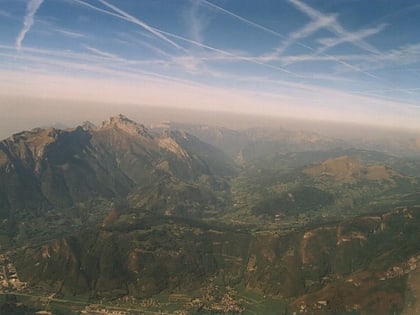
point(11, 284)
point(9, 278)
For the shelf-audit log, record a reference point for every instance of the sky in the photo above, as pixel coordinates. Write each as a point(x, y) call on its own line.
point(340, 60)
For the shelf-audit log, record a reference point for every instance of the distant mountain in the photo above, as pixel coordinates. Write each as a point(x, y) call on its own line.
point(346, 169)
point(249, 145)
point(335, 187)
point(50, 168)
point(252, 145)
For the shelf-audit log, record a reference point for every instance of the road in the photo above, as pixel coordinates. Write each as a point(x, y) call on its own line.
point(111, 308)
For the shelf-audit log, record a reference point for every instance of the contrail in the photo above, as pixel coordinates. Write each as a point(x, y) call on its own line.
point(227, 53)
point(273, 32)
point(140, 23)
point(33, 6)
point(241, 18)
point(334, 27)
point(125, 16)
point(350, 37)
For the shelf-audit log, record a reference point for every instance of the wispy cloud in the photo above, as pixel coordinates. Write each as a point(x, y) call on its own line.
point(195, 24)
point(191, 64)
point(5, 14)
point(194, 21)
point(93, 63)
point(133, 40)
point(98, 61)
point(296, 103)
point(33, 6)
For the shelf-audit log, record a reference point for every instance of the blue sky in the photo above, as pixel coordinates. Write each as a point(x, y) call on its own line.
point(332, 60)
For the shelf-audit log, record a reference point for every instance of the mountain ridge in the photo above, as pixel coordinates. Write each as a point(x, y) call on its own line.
point(63, 167)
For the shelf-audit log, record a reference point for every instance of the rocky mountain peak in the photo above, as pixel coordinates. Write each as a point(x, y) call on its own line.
point(125, 124)
point(118, 120)
point(87, 125)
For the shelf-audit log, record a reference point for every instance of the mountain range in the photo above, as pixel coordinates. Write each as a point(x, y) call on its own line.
point(258, 221)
